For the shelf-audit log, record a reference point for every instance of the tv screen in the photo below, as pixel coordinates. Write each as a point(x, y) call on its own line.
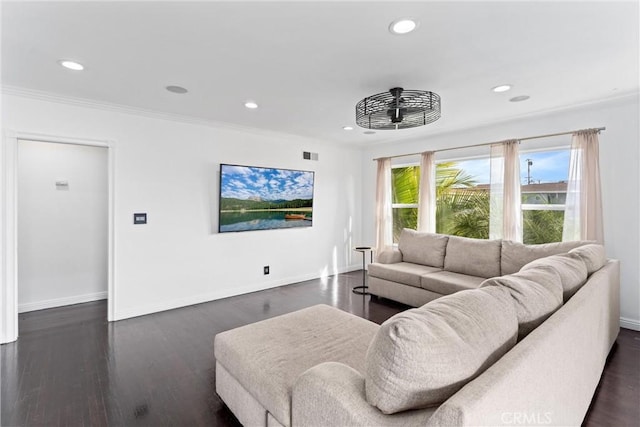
point(257, 198)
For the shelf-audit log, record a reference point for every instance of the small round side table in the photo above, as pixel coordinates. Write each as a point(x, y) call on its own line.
point(362, 290)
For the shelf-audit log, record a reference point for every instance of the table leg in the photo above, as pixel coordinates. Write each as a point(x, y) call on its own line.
point(364, 287)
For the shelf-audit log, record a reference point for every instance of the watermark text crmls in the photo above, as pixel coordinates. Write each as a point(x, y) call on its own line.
point(526, 418)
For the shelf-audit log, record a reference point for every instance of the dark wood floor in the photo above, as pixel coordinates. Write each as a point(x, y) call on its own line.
point(72, 368)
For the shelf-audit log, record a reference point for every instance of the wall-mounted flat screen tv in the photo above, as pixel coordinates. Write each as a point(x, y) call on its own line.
point(257, 198)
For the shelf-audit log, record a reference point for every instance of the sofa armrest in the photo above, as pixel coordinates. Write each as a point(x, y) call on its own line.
point(389, 256)
point(332, 394)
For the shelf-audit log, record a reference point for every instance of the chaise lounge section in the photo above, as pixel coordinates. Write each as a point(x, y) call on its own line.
point(258, 364)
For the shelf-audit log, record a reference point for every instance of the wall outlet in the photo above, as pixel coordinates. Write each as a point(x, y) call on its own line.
point(265, 269)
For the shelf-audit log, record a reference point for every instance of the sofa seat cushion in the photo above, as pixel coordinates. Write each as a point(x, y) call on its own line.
point(422, 356)
point(423, 248)
point(537, 293)
point(447, 282)
point(406, 273)
point(515, 255)
point(593, 256)
point(570, 267)
point(267, 357)
point(474, 257)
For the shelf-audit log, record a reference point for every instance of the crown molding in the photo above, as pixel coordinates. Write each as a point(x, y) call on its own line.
point(159, 115)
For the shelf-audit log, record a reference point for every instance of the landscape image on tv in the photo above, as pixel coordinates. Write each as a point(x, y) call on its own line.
point(257, 198)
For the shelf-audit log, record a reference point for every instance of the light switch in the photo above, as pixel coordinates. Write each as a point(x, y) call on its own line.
point(62, 184)
point(139, 218)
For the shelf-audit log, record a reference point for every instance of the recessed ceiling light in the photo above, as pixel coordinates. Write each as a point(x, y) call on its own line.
point(403, 26)
point(519, 98)
point(368, 132)
point(501, 88)
point(347, 127)
point(71, 65)
point(251, 105)
point(176, 89)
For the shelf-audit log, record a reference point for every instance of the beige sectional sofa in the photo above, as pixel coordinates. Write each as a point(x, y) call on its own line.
point(526, 348)
point(426, 266)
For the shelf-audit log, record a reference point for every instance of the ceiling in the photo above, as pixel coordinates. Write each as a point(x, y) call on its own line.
point(308, 63)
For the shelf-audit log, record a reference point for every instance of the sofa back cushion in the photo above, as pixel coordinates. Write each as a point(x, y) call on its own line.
point(423, 248)
point(515, 255)
point(474, 257)
point(537, 293)
point(570, 267)
point(420, 357)
point(592, 255)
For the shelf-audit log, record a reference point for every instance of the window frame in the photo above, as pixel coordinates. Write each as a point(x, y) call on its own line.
point(541, 207)
point(402, 205)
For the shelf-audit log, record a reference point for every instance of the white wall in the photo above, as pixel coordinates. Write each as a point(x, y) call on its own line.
point(169, 169)
point(62, 230)
point(619, 160)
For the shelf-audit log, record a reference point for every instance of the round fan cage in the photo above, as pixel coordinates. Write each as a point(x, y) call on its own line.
point(398, 109)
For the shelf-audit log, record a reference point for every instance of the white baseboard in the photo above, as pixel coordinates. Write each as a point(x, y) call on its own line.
point(142, 310)
point(59, 302)
point(627, 323)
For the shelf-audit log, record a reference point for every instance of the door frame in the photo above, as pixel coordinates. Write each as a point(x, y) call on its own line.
point(9, 217)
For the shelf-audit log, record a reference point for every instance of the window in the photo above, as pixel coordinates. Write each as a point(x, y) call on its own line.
point(404, 198)
point(462, 207)
point(544, 191)
point(462, 196)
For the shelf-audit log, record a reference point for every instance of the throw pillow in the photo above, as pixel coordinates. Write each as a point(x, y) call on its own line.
point(420, 357)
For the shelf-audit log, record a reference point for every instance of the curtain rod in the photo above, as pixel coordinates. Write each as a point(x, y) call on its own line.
point(495, 142)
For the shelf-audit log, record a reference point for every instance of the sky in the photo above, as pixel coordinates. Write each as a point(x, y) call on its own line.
point(547, 166)
point(244, 182)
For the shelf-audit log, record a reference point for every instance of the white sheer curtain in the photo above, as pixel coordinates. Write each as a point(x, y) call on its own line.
point(384, 216)
point(427, 196)
point(505, 218)
point(583, 211)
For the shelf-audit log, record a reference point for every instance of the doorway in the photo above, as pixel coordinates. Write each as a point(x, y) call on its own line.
point(62, 224)
point(9, 255)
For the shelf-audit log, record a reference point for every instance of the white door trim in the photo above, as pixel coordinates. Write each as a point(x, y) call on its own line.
point(9, 231)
